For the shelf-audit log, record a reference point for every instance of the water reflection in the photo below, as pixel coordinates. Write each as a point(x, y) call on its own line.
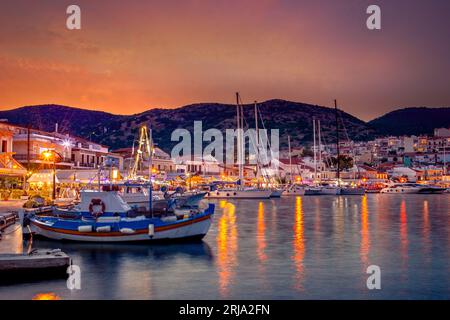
point(365, 236)
point(46, 296)
point(426, 228)
point(404, 233)
point(227, 247)
point(299, 245)
point(294, 247)
point(261, 234)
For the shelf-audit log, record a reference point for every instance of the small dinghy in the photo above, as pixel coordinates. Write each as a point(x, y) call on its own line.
point(106, 217)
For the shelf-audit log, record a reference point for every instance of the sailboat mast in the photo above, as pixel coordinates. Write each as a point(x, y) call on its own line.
point(338, 173)
point(239, 139)
point(257, 142)
point(150, 168)
point(290, 160)
point(314, 147)
point(320, 151)
point(445, 160)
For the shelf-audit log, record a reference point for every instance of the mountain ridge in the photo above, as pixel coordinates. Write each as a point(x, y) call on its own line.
point(293, 118)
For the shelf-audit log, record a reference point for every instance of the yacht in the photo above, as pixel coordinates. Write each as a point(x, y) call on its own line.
point(402, 188)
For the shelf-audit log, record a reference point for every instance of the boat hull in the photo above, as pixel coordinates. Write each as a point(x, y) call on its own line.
point(353, 191)
point(276, 193)
point(322, 191)
point(432, 191)
point(239, 194)
point(124, 230)
point(187, 232)
point(399, 190)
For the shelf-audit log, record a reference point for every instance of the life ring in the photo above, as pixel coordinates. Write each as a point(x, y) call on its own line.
point(97, 202)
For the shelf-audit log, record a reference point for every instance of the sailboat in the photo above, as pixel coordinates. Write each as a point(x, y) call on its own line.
point(319, 188)
point(292, 189)
point(344, 190)
point(239, 192)
point(276, 192)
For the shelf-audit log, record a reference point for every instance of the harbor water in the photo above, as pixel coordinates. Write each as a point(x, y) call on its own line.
point(289, 248)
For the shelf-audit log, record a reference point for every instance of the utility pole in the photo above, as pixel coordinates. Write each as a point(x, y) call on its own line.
point(28, 147)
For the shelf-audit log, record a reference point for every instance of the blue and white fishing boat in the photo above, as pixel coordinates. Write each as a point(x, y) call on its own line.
point(106, 217)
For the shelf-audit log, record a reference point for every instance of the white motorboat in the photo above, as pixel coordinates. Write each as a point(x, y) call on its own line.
point(402, 188)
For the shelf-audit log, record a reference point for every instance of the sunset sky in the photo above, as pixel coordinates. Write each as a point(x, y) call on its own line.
point(131, 56)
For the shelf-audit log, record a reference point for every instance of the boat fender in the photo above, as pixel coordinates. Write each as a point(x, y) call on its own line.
point(103, 229)
point(127, 230)
point(85, 228)
point(151, 230)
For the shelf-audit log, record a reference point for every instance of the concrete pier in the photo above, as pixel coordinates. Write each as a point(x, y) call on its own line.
point(39, 263)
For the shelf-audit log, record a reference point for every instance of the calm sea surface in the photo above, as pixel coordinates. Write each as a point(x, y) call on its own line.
point(289, 248)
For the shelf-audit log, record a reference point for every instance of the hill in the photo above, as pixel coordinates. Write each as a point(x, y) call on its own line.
point(411, 121)
point(119, 131)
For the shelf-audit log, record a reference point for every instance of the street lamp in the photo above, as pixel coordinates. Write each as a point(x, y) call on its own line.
point(47, 155)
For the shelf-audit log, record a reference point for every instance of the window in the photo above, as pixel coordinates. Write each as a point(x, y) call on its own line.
point(4, 146)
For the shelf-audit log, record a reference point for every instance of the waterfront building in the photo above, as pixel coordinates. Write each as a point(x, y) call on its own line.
point(29, 145)
point(12, 173)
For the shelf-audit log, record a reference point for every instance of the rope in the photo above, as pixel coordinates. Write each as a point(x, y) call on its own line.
point(10, 232)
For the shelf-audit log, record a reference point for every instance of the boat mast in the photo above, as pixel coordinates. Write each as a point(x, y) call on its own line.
point(337, 143)
point(239, 139)
point(320, 151)
point(445, 160)
point(257, 143)
point(150, 169)
point(290, 160)
point(314, 147)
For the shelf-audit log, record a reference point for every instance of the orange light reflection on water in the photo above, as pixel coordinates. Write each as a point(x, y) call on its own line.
point(227, 246)
point(365, 235)
point(46, 296)
point(261, 234)
point(299, 245)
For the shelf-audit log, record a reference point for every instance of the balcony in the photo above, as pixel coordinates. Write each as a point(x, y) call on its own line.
point(38, 157)
point(86, 165)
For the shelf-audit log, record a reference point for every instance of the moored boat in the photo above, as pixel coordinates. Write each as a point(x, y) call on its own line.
point(106, 217)
point(239, 194)
point(276, 193)
point(294, 190)
point(352, 191)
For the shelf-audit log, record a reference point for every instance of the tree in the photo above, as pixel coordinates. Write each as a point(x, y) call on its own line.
point(307, 152)
point(345, 162)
